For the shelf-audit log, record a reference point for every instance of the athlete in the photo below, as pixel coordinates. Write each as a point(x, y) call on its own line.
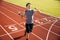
point(29, 19)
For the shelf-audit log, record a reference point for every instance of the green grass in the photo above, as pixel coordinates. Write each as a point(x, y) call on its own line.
point(51, 7)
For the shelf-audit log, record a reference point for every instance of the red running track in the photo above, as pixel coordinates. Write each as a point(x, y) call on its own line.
point(12, 25)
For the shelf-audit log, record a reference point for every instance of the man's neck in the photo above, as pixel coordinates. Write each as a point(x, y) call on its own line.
point(28, 9)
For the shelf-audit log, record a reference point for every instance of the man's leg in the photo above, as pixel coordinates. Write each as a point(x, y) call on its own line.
point(26, 25)
point(25, 33)
point(30, 27)
point(27, 37)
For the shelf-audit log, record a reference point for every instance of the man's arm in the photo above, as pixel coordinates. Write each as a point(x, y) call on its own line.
point(36, 10)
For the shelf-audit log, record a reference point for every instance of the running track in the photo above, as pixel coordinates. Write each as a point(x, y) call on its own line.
point(12, 25)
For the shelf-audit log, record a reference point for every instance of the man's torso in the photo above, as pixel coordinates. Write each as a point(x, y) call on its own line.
point(29, 14)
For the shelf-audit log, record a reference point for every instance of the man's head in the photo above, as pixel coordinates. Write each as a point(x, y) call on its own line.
point(28, 5)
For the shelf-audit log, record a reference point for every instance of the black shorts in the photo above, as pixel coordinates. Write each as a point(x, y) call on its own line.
point(29, 27)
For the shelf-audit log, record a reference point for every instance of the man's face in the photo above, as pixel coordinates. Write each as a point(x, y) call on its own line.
point(28, 7)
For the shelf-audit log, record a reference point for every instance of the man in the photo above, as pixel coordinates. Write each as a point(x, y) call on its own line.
point(29, 19)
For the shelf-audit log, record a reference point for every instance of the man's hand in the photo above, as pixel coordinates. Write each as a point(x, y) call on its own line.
point(36, 9)
point(20, 15)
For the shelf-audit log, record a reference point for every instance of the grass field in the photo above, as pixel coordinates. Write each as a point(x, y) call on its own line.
point(51, 7)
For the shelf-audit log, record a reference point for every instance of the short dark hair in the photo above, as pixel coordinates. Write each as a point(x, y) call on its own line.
point(27, 4)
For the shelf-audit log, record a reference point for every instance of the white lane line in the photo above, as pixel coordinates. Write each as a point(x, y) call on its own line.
point(47, 30)
point(46, 23)
point(12, 32)
point(9, 17)
point(57, 26)
point(8, 6)
point(8, 10)
point(41, 23)
point(50, 30)
point(54, 25)
point(13, 6)
point(37, 36)
point(7, 33)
